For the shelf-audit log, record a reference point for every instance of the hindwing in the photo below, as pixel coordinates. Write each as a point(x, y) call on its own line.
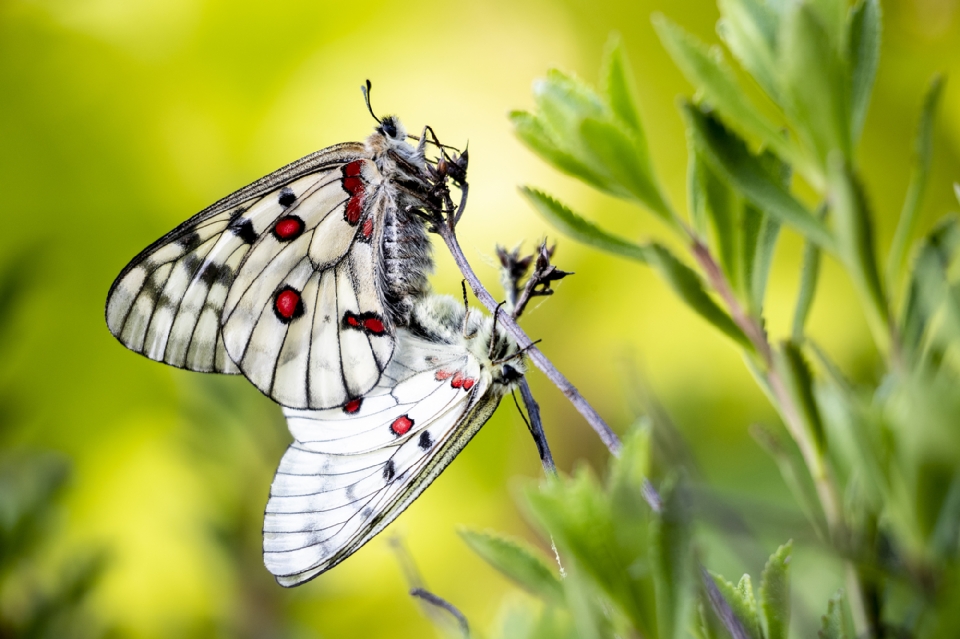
point(352, 470)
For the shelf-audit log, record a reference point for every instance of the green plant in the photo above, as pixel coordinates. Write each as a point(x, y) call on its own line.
point(878, 470)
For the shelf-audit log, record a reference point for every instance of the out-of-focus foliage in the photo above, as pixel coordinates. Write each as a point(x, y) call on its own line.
point(120, 119)
point(882, 455)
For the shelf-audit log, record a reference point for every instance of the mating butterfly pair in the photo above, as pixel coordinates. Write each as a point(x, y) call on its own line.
point(312, 282)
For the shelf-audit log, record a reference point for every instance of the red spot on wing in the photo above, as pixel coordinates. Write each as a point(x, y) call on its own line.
point(373, 325)
point(367, 228)
point(287, 304)
point(457, 381)
point(401, 425)
point(353, 405)
point(353, 169)
point(353, 184)
point(288, 227)
point(442, 375)
point(354, 208)
point(468, 383)
point(353, 320)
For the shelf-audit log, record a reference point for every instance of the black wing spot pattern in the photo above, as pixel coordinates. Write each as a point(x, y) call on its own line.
point(425, 442)
point(287, 197)
point(389, 471)
point(189, 241)
point(212, 273)
point(243, 228)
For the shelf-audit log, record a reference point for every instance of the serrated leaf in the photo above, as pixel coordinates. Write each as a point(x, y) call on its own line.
point(760, 234)
point(672, 543)
point(532, 132)
point(707, 71)
point(749, 28)
point(815, 89)
point(728, 155)
point(929, 289)
point(919, 176)
point(854, 233)
point(863, 41)
point(833, 625)
point(582, 230)
point(578, 515)
point(628, 165)
point(742, 609)
point(689, 287)
point(775, 593)
point(809, 272)
point(720, 210)
point(798, 382)
point(518, 562)
point(618, 87)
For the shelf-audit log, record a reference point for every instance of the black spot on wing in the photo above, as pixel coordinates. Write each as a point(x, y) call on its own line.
point(425, 442)
point(389, 471)
point(287, 196)
point(243, 228)
point(189, 241)
point(213, 272)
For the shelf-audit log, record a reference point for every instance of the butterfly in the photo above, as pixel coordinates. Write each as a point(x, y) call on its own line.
point(351, 470)
point(300, 280)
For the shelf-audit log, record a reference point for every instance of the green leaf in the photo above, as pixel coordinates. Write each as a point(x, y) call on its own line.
point(794, 475)
point(582, 230)
point(919, 175)
point(808, 286)
point(744, 608)
point(816, 90)
point(775, 593)
point(719, 208)
point(532, 132)
point(760, 234)
point(618, 87)
point(689, 287)
point(612, 147)
point(518, 562)
point(707, 71)
point(798, 382)
point(749, 28)
point(674, 562)
point(579, 516)
point(854, 233)
point(728, 155)
point(863, 41)
point(929, 289)
point(833, 625)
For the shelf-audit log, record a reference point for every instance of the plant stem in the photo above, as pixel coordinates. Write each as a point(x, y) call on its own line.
point(818, 467)
point(606, 434)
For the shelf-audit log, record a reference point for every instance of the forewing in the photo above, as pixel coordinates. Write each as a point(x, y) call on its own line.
point(352, 470)
point(304, 319)
point(168, 302)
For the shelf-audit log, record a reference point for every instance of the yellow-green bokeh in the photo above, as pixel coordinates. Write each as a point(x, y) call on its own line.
point(119, 119)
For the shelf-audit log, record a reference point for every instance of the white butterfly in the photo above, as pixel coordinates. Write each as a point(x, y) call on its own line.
point(300, 280)
point(352, 470)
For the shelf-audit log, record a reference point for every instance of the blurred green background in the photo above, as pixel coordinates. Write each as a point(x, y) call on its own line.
point(120, 119)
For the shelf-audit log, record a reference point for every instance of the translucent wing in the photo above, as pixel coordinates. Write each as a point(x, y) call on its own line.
point(277, 280)
point(352, 470)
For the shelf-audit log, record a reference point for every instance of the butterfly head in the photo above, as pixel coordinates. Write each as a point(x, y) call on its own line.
point(392, 130)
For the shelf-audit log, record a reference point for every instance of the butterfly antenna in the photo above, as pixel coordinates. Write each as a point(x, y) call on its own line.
point(366, 98)
point(518, 354)
point(493, 333)
point(466, 306)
